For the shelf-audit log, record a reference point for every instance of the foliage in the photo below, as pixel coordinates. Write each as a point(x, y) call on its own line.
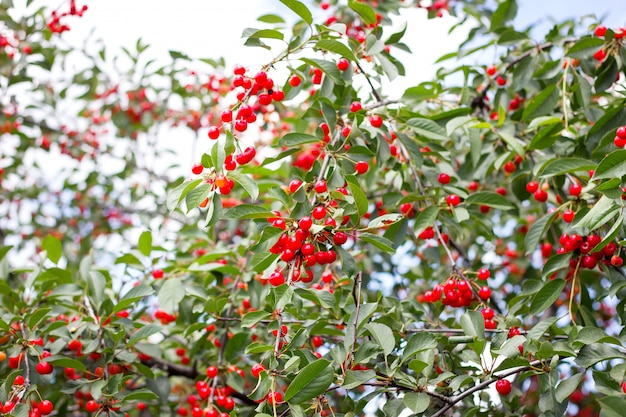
point(335, 251)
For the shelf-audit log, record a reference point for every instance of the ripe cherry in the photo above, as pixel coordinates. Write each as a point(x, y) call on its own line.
point(44, 368)
point(361, 167)
point(376, 120)
point(340, 238)
point(343, 64)
point(510, 167)
point(246, 156)
point(355, 106)
point(617, 261)
point(317, 341)
point(211, 371)
point(443, 178)
point(503, 387)
point(600, 31)
point(513, 331)
point(484, 293)
point(275, 397)
point(321, 187)
point(157, 274)
point(453, 200)
point(621, 132)
point(491, 70)
point(541, 196)
point(305, 223)
point(483, 274)
point(227, 116)
point(600, 55)
point(294, 185)
point(500, 81)
point(568, 216)
point(532, 186)
point(319, 212)
point(45, 407)
point(257, 369)
point(214, 132)
point(575, 189)
point(92, 406)
point(241, 125)
point(295, 80)
point(197, 168)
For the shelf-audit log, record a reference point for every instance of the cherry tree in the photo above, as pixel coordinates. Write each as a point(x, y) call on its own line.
point(454, 250)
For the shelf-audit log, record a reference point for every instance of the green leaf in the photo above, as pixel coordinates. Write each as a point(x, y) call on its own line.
point(385, 220)
point(145, 243)
point(536, 232)
point(53, 248)
point(253, 317)
point(135, 294)
point(64, 362)
point(366, 13)
point(418, 342)
point(426, 218)
point(271, 18)
point(585, 48)
point(473, 324)
point(355, 379)
point(294, 139)
point(177, 195)
point(143, 333)
point(512, 142)
point(383, 336)
point(567, 386)
point(542, 104)
point(336, 47)
point(360, 199)
point(560, 166)
point(416, 402)
point(380, 242)
point(546, 296)
point(246, 183)
point(263, 33)
point(141, 394)
point(612, 166)
point(310, 382)
point(300, 9)
point(427, 128)
point(248, 211)
point(397, 36)
point(505, 12)
point(591, 354)
point(490, 199)
point(603, 211)
point(606, 75)
point(612, 406)
point(171, 294)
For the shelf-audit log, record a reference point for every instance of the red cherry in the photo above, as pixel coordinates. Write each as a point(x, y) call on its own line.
point(340, 238)
point(617, 261)
point(317, 341)
point(488, 313)
point(513, 331)
point(510, 167)
point(355, 106)
point(619, 142)
point(227, 116)
point(621, 132)
point(305, 223)
point(211, 371)
point(257, 369)
point(453, 200)
point(157, 274)
point(343, 64)
point(275, 398)
point(491, 70)
point(276, 278)
point(532, 186)
point(541, 196)
point(92, 406)
point(361, 167)
point(321, 187)
point(568, 216)
point(575, 189)
point(246, 156)
point(45, 407)
point(501, 81)
point(197, 168)
point(319, 212)
point(294, 185)
point(214, 132)
point(376, 120)
point(483, 274)
point(472, 186)
point(484, 293)
point(600, 55)
point(600, 31)
point(503, 387)
point(241, 125)
point(44, 368)
point(443, 178)
point(295, 80)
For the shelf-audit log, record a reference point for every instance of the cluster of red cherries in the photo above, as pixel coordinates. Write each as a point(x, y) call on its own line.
point(457, 292)
point(55, 25)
